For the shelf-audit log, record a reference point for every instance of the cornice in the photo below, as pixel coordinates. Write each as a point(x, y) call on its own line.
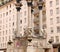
point(7, 3)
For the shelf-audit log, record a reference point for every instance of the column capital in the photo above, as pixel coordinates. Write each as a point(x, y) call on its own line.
point(40, 7)
point(32, 10)
point(29, 3)
point(18, 8)
point(18, 1)
point(40, 4)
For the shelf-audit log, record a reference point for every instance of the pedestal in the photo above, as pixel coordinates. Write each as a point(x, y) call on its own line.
point(30, 47)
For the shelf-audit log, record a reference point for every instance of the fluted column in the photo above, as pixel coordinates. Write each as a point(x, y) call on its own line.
point(41, 41)
point(17, 41)
point(18, 8)
point(29, 3)
point(29, 47)
point(40, 16)
point(32, 20)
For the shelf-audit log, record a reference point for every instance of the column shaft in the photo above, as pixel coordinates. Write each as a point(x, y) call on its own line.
point(40, 17)
point(29, 17)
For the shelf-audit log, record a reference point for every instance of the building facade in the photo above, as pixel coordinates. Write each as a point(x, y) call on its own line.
point(34, 23)
point(53, 21)
point(48, 20)
point(8, 18)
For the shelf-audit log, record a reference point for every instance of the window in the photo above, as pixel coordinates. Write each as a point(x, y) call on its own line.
point(21, 13)
point(0, 28)
point(6, 13)
point(3, 14)
point(0, 33)
point(6, 38)
point(51, 3)
point(57, 10)
point(20, 28)
point(3, 27)
point(6, 20)
point(6, 25)
point(5, 44)
point(57, 38)
point(58, 19)
point(7, 7)
point(9, 24)
point(9, 31)
point(13, 29)
point(0, 15)
point(3, 32)
point(10, 5)
point(25, 20)
point(3, 39)
point(0, 39)
point(9, 19)
point(51, 29)
point(57, 2)
point(25, 13)
point(51, 12)
point(6, 31)
point(0, 21)
point(52, 38)
point(9, 11)
point(58, 29)
point(51, 21)
point(13, 23)
point(1, 44)
point(13, 17)
point(21, 21)
point(9, 37)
